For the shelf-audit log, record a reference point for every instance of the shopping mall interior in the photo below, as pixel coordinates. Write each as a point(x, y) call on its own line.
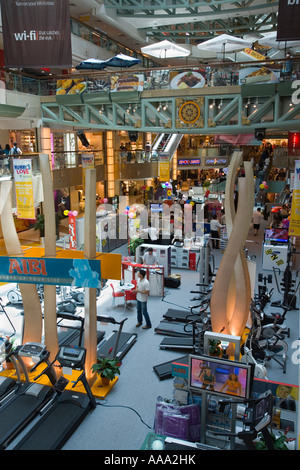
point(183, 136)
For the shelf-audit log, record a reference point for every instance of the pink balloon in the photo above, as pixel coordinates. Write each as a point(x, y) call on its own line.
point(105, 200)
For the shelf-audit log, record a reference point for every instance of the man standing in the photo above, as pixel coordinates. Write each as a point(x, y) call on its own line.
point(214, 231)
point(142, 290)
point(256, 219)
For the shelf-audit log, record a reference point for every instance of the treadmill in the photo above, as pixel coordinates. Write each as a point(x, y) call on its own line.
point(164, 370)
point(67, 410)
point(24, 404)
point(172, 328)
point(118, 343)
point(8, 384)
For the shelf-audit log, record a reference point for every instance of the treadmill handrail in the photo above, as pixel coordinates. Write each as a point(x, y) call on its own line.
point(103, 318)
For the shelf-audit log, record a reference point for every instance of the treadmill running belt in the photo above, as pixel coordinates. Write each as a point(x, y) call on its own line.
point(16, 414)
point(51, 433)
point(171, 328)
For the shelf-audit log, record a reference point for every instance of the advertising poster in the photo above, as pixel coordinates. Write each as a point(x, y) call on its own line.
point(258, 75)
point(72, 232)
point(24, 188)
point(134, 82)
point(187, 79)
point(294, 226)
point(36, 34)
point(70, 86)
point(53, 271)
point(164, 171)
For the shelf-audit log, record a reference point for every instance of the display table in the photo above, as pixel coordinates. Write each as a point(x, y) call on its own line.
point(154, 274)
point(274, 256)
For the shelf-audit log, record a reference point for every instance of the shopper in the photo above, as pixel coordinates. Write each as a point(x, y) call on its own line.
point(214, 231)
point(15, 150)
point(142, 293)
point(149, 257)
point(256, 220)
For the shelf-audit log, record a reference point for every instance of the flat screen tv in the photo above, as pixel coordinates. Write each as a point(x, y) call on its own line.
point(277, 235)
point(220, 376)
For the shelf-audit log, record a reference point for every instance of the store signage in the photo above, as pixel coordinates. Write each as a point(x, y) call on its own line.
point(195, 161)
point(294, 226)
point(288, 20)
point(24, 188)
point(36, 34)
point(254, 54)
point(216, 161)
point(180, 370)
point(54, 271)
point(164, 156)
point(88, 160)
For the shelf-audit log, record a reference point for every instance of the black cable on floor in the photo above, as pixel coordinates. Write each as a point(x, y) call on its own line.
point(128, 407)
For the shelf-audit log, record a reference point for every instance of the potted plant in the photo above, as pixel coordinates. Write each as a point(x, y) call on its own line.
point(107, 368)
point(215, 348)
point(40, 224)
point(133, 244)
point(280, 442)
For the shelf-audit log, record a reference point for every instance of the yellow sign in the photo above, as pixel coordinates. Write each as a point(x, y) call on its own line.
point(24, 188)
point(294, 226)
point(164, 171)
point(254, 54)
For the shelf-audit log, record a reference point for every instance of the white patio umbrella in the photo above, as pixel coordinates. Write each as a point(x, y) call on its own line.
point(271, 41)
point(224, 43)
point(165, 50)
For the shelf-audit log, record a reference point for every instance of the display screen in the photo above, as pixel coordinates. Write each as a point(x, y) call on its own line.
point(219, 376)
point(277, 235)
point(156, 207)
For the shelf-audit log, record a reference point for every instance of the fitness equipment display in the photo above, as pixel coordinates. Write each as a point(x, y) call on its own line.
point(8, 384)
point(118, 343)
point(257, 417)
point(68, 408)
point(193, 343)
point(23, 405)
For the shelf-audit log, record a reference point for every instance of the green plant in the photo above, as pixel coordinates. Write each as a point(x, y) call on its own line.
point(206, 184)
point(40, 224)
point(134, 243)
point(107, 367)
point(278, 441)
point(215, 348)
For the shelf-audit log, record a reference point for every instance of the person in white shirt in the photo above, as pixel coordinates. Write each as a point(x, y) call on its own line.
point(214, 231)
point(142, 292)
point(256, 220)
point(149, 257)
point(15, 150)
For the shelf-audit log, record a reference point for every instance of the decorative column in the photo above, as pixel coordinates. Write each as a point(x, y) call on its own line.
point(50, 316)
point(231, 294)
point(90, 297)
point(33, 325)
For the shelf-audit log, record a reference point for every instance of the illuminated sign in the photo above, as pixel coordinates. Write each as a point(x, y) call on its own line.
point(216, 161)
point(196, 161)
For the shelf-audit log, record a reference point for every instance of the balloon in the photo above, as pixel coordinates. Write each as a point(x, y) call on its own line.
point(131, 215)
point(262, 186)
point(169, 192)
point(126, 212)
point(148, 188)
point(264, 183)
point(105, 200)
point(66, 212)
point(192, 203)
point(75, 213)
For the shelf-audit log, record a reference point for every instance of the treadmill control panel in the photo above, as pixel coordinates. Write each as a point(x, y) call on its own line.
point(71, 356)
point(32, 349)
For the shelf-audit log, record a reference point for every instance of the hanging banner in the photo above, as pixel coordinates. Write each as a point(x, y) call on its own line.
point(288, 20)
point(72, 231)
point(164, 171)
point(53, 271)
point(36, 34)
point(294, 226)
point(24, 188)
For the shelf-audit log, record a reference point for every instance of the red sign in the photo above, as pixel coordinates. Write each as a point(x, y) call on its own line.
point(72, 231)
point(294, 140)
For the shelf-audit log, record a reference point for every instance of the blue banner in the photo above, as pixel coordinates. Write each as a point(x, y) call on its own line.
point(55, 271)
